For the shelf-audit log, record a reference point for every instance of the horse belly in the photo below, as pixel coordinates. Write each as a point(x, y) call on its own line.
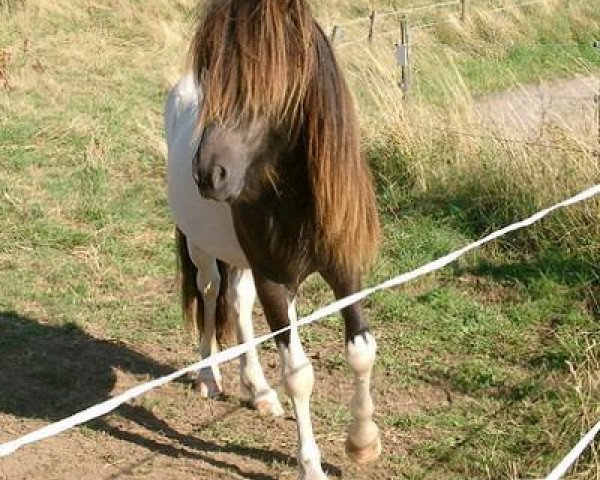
point(207, 224)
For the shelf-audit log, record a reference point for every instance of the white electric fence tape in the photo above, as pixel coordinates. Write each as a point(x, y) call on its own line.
point(231, 353)
point(574, 454)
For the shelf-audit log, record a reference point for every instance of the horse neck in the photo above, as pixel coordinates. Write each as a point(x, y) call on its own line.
point(275, 225)
point(279, 177)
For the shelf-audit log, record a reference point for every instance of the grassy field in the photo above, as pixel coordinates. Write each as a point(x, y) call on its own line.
point(487, 370)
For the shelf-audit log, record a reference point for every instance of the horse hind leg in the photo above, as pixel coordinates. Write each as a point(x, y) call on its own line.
point(243, 294)
point(209, 381)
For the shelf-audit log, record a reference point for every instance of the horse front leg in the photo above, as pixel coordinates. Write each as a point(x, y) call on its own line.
point(262, 397)
point(363, 443)
point(297, 372)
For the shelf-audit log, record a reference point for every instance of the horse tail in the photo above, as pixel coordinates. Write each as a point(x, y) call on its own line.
point(225, 311)
point(192, 304)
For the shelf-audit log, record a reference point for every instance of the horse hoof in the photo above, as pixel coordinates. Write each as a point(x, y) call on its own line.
point(209, 388)
point(267, 404)
point(364, 455)
point(313, 474)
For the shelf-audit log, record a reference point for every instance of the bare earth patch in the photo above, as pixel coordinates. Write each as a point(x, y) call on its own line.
point(52, 372)
point(532, 110)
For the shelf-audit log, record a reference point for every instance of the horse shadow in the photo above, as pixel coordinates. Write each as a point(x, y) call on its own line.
point(51, 372)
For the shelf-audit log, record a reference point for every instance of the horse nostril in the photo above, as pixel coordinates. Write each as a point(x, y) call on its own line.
point(220, 175)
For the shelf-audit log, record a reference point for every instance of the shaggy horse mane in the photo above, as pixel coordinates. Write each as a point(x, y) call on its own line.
point(270, 59)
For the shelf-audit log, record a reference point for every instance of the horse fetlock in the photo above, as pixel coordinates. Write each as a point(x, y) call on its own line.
point(209, 384)
point(313, 473)
point(267, 403)
point(209, 389)
point(309, 460)
point(361, 353)
point(252, 378)
point(363, 444)
point(262, 398)
point(363, 434)
point(362, 409)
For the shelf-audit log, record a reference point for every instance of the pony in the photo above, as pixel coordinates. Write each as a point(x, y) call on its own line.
point(267, 185)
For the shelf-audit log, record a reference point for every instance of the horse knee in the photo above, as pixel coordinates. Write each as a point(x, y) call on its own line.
point(244, 291)
point(298, 375)
point(209, 280)
point(299, 382)
point(361, 352)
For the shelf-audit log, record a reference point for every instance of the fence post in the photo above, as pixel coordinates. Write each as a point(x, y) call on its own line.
point(372, 25)
point(463, 10)
point(403, 56)
point(334, 33)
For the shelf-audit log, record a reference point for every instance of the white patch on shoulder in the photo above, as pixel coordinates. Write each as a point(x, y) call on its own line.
point(206, 223)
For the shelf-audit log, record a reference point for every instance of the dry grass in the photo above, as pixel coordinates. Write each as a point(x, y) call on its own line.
point(450, 150)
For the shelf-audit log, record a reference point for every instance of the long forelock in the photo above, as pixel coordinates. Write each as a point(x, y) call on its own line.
point(270, 59)
point(254, 58)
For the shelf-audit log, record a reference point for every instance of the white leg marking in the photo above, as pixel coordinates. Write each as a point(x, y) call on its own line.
point(209, 379)
point(299, 379)
point(363, 444)
point(262, 397)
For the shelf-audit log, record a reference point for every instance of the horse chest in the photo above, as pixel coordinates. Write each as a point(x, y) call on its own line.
point(277, 242)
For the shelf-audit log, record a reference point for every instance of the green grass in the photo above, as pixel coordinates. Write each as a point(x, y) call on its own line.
point(520, 64)
point(500, 344)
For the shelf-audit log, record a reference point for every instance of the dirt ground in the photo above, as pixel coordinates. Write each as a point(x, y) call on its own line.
point(171, 432)
point(49, 373)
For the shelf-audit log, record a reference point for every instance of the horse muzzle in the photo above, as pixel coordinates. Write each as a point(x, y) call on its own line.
point(215, 184)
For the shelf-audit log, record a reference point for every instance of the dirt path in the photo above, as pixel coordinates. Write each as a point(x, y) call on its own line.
point(531, 111)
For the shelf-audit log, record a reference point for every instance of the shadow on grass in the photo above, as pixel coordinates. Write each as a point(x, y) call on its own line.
point(477, 416)
point(522, 258)
point(581, 278)
point(557, 267)
point(476, 217)
point(52, 372)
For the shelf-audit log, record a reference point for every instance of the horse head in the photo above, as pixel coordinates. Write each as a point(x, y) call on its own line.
point(236, 161)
